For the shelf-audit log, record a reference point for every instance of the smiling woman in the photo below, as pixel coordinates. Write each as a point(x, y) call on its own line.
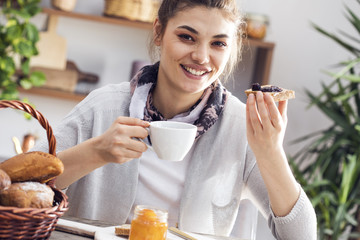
point(193, 56)
point(237, 153)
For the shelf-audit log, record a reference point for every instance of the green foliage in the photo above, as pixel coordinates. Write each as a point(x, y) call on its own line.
point(329, 166)
point(18, 39)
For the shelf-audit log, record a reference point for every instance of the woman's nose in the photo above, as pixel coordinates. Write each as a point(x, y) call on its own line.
point(201, 54)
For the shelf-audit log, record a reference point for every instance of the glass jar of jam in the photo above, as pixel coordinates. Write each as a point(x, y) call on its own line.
point(148, 224)
point(256, 25)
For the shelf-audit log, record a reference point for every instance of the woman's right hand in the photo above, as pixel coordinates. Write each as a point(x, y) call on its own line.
point(117, 144)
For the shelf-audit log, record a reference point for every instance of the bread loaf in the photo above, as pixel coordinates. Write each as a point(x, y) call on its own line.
point(32, 166)
point(278, 93)
point(27, 195)
point(5, 180)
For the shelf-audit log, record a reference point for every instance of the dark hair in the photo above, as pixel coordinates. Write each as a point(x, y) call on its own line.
point(169, 8)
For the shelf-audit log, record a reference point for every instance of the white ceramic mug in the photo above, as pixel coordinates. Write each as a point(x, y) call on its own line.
point(171, 140)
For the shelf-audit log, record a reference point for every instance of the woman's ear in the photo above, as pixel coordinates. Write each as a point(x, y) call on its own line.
point(156, 32)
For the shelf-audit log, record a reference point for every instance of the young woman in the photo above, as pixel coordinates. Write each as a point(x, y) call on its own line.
point(238, 152)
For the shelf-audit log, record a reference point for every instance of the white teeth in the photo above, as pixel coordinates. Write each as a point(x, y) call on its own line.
point(193, 71)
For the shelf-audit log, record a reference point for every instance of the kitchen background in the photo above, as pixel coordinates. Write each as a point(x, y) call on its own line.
point(108, 50)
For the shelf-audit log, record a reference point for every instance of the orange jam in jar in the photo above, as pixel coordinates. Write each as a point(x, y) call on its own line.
point(148, 224)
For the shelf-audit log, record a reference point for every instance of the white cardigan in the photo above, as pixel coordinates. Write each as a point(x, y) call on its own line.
point(222, 170)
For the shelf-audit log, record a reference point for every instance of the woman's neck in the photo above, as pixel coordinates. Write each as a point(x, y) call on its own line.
point(170, 104)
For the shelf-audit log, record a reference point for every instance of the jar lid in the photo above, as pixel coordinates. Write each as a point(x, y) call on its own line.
point(150, 211)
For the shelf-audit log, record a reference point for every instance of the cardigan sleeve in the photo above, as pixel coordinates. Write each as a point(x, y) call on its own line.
point(299, 224)
point(74, 128)
point(87, 119)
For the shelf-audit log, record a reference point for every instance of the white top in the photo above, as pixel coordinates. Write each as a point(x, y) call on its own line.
point(164, 189)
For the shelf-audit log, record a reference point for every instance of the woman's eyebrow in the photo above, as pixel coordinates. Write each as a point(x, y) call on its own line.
point(221, 36)
point(190, 29)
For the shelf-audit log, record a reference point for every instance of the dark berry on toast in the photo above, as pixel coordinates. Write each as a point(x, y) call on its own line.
point(258, 87)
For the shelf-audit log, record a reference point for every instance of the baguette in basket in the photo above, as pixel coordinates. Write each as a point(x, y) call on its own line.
point(33, 166)
point(5, 180)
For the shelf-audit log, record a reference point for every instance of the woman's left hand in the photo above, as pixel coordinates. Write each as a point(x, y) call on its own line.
point(266, 124)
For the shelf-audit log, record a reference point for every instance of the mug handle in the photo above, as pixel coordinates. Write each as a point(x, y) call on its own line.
point(150, 147)
point(141, 140)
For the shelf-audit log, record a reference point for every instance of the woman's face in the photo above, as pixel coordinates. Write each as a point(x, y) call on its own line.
point(195, 48)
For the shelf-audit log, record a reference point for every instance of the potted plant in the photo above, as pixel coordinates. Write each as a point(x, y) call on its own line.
point(18, 39)
point(329, 166)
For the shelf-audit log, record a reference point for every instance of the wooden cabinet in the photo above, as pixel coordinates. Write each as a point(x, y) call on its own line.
point(262, 57)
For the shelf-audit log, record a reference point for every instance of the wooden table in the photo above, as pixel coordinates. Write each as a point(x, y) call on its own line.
point(57, 235)
point(60, 235)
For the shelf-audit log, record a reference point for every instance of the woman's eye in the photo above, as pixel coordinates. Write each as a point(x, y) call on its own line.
point(186, 37)
point(219, 44)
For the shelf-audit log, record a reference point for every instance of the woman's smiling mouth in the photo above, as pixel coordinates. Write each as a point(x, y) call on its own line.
point(194, 71)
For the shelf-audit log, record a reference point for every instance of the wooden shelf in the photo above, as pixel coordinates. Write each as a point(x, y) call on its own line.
point(262, 59)
point(103, 19)
point(47, 92)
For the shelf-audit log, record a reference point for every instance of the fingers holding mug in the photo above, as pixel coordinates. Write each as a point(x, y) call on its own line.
point(117, 143)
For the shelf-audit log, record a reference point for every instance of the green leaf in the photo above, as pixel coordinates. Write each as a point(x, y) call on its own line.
point(317, 183)
point(334, 112)
point(25, 66)
point(25, 48)
point(330, 196)
point(21, 2)
point(347, 46)
point(33, 8)
point(346, 97)
point(354, 235)
point(37, 78)
point(354, 86)
point(9, 93)
point(350, 173)
point(348, 66)
point(25, 83)
point(357, 128)
point(23, 13)
point(11, 22)
point(350, 219)
point(13, 32)
point(339, 218)
point(353, 19)
point(7, 65)
point(31, 33)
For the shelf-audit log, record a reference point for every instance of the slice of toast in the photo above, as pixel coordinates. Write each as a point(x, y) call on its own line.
point(282, 95)
point(122, 230)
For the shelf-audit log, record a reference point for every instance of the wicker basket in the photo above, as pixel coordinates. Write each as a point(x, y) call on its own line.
point(64, 5)
point(32, 223)
point(136, 10)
